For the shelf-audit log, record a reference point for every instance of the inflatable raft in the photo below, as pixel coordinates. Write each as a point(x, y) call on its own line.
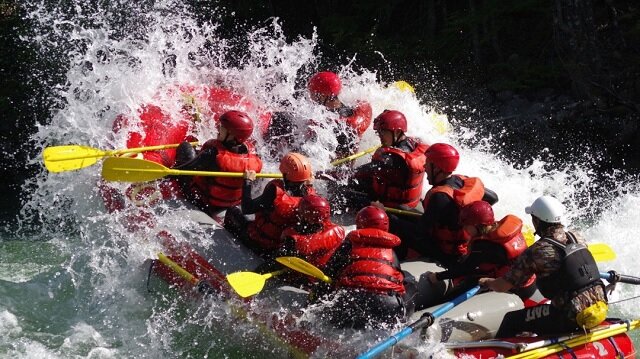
point(199, 267)
point(467, 330)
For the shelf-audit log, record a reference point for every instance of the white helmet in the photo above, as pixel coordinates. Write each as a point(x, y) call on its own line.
point(547, 209)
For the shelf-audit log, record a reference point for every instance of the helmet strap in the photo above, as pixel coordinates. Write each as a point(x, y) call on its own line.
point(436, 175)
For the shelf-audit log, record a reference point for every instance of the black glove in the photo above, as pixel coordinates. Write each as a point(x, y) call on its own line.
point(184, 154)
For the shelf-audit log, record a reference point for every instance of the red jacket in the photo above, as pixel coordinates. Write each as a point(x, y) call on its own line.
point(317, 248)
point(394, 192)
point(455, 241)
point(266, 230)
point(372, 266)
point(509, 236)
point(361, 118)
point(226, 191)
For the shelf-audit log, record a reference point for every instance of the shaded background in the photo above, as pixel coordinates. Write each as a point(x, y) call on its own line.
point(537, 79)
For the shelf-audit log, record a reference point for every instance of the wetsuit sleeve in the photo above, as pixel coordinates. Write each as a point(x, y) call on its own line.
point(205, 160)
point(264, 201)
point(390, 165)
point(540, 258)
point(441, 211)
point(465, 268)
point(346, 111)
point(385, 167)
point(490, 196)
point(282, 124)
point(339, 260)
point(288, 248)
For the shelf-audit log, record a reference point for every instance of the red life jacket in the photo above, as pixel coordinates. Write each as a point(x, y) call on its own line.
point(509, 236)
point(317, 248)
point(226, 191)
point(395, 192)
point(361, 118)
point(266, 230)
point(454, 241)
point(372, 264)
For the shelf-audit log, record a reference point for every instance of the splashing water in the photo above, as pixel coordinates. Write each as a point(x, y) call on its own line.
point(74, 277)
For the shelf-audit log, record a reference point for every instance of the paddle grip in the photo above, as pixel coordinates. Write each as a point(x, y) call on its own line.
point(614, 277)
point(426, 320)
point(205, 288)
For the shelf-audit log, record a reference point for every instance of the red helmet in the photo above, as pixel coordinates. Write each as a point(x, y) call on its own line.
point(314, 209)
point(390, 120)
point(372, 217)
point(479, 212)
point(295, 167)
point(238, 123)
point(325, 83)
point(444, 156)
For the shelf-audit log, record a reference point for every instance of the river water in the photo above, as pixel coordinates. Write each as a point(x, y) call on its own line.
point(73, 279)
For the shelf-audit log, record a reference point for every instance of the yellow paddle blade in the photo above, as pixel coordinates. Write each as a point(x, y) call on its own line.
point(404, 86)
point(73, 157)
point(247, 284)
point(138, 170)
point(527, 233)
point(132, 170)
point(302, 266)
point(601, 252)
point(70, 157)
point(355, 156)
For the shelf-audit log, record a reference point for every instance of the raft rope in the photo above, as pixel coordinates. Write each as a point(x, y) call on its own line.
point(624, 300)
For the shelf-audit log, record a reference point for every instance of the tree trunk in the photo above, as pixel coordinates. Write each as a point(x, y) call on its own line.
point(475, 36)
point(576, 43)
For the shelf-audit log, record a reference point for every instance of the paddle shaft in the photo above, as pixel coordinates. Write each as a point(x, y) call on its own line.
point(138, 170)
point(174, 172)
point(201, 285)
point(247, 284)
point(426, 320)
point(304, 267)
point(354, 156)
point(178, 269)
point(100, 153)
point(613, 276)
point(402, 212)
point(579, 340)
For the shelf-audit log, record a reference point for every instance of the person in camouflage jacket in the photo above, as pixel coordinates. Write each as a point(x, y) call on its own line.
point(575, 303)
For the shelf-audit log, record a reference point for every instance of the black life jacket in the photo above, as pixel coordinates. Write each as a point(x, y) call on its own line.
point(577, 273)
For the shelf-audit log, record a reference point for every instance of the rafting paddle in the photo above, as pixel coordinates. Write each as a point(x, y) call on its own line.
point(304, 267)
point(426, 320)
point(74, 157)
point(137, 170)
point(202, 286)
point(247, 284)
point(402, 212)
point(591, 337)
point(614, 277)
point(601, 252)
point(354, 156)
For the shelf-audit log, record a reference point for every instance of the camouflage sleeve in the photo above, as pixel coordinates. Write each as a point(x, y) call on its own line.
point(540, 259)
